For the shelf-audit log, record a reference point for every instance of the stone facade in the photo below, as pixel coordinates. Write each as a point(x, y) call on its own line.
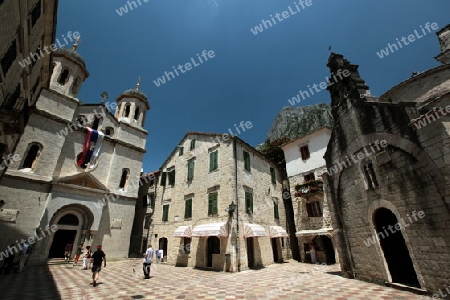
point(94, 205)
point(390, 204)
point(27, 25)
point(312, 216)
point(233, 185)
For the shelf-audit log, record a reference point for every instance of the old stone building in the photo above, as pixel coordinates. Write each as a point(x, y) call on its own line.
point(219, 206)
point(305, 166)
point(388, 185)
point(89, 199)
point(27, 25)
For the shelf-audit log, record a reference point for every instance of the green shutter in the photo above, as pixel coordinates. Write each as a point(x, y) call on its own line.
point(273, 176)
point(215, 210)
point(172, 177)
point(188, 209)
point(275, 210)
point(211, 161)
point(216, 159)
point(180, 150)
point(191, 165)
point(163, 178)
point(213, 165)
point(212, 203)
point(248, 202)
point(192, 144)
point(247, 161)
point(165, 216)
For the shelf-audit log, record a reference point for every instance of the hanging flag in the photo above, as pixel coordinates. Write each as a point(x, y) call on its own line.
point(88, 147)
point(97, 147)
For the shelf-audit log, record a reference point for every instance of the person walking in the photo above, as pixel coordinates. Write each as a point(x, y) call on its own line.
point(23, 256)
point(96, 260)
point(312, 251)
point(87, 258)
point(148, 256)
point(78, 254)
point(68, 251)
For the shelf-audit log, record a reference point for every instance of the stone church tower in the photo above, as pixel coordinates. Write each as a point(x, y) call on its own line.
point(92, 203)
point(388, 185)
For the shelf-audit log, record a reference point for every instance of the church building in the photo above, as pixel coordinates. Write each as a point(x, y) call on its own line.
point(390, 194)
point(79, 168)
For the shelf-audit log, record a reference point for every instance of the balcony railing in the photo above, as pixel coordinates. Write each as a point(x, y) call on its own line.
point(309, 187)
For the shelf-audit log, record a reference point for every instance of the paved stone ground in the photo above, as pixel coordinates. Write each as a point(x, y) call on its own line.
point(292, 280)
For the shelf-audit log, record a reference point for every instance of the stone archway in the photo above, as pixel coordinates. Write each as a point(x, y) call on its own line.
point(393, 245)
point(74, 223)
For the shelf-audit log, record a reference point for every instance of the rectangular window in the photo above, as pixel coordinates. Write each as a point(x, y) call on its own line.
point(188, 209)
point(9, 57)
point(191, 165)
point(36, 13)
point(163, 179)
point(247, 161)
point(192, 145)
point(212, 203)
point(180, 150)
point(309, 177)
point(213, 161)
point(165, 215)
point(314, 209)
point(248, 202)
point(147, 221)
point(273, 176)
point(276, 214)
point(171, 175)
point(305, 152)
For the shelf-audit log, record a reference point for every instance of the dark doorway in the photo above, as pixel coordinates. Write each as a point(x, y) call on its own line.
point(329, 250)
point(275, 249)
point(60, 240)
point(213, 248)
point(250, 253)
point(163, 246)
point(394, 248)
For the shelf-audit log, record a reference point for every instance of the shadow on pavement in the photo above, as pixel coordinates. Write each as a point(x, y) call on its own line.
point(36, 282)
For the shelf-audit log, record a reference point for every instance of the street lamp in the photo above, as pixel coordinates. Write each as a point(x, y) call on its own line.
point(231, 208)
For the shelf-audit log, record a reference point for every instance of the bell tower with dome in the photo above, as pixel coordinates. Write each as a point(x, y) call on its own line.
point(69, 71)
point(132, 106)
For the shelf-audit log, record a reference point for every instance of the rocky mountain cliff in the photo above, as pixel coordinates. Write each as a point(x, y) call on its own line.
point(293, 122)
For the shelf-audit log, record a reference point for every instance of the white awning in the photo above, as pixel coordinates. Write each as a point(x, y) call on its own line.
point(251, 230)
point(183, 231)
point(212, 229)
point(322, 231)
point(277, 231)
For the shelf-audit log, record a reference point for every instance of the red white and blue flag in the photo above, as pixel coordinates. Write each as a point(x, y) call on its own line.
point(91, 148)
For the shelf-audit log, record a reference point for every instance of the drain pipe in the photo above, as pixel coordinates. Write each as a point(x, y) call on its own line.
point(237, 206)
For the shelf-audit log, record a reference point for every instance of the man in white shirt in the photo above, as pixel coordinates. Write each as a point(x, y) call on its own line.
point(148, 256)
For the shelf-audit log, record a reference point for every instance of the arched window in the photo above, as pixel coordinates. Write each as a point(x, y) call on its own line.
point(124, 179)
point(63, 77)
point(96, 122)
point(136, 113)
point(81, 120)
point(109, 131)
point(31, 156)
point(127, 110)
point(75, 85)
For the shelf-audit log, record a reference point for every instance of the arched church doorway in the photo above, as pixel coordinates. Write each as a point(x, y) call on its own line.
point(68, 228)
point(394, 249)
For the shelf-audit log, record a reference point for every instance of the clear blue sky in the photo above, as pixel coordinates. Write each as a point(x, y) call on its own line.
point(251, 76)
